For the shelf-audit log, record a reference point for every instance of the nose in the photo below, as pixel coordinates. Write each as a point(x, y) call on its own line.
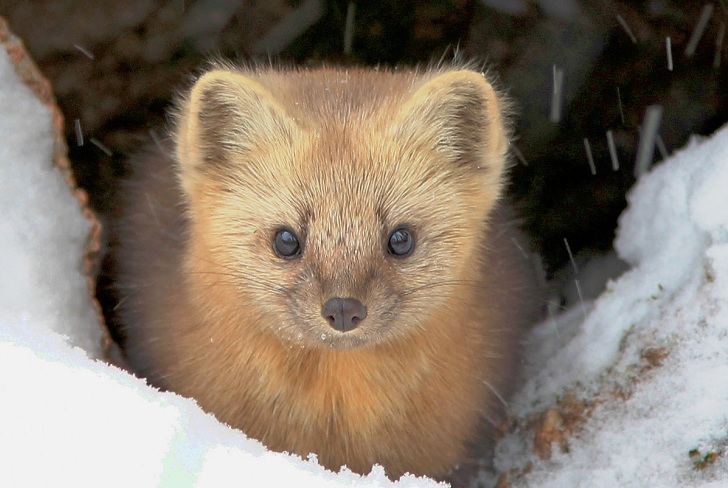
point(344, 314)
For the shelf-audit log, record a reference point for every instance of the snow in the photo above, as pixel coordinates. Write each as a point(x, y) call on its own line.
point(40, 220)
point(651, 357)
point(647, 359)
point(67, 419)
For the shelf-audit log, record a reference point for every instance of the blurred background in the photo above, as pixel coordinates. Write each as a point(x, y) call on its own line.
point(574, 69)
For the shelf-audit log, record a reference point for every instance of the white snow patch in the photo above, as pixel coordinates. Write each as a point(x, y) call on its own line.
point(42, 231)
point(65, 418)
point(647, 418)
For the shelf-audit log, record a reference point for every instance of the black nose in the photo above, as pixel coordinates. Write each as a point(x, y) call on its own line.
point(344, 314)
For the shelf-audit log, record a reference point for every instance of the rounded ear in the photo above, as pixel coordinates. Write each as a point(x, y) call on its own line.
point(225, 117)
point(460, 115)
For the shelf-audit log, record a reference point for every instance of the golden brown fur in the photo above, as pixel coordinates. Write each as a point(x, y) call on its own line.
point(342, 157)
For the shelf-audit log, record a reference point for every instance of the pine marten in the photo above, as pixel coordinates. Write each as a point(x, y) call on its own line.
point(320, 259)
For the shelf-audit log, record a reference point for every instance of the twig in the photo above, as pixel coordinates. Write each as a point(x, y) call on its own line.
point(648, 133)
point(85, 51)
point(518, 154)
point(699, 29)
point(626, 28)
point(612, 150)
point(619, 102)
point(661, 148)
point(581, 297)
point(571, 256)
point(556, 96)
point(79, 133)
point(719, 46)
point(589, 157)
point(101, 146)
point(349, 28)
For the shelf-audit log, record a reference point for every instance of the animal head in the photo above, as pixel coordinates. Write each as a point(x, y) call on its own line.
point(342, 208)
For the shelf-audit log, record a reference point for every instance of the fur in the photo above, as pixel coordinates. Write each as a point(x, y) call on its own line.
point(342, 158)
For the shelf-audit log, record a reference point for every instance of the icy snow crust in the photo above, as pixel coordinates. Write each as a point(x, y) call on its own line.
point(42, 231)
point(674, 301)
point(66, 419)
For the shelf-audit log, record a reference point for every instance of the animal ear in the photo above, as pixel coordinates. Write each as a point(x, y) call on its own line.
point(226, 117)
point(460, 115)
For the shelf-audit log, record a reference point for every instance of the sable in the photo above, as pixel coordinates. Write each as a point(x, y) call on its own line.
point(320, 258)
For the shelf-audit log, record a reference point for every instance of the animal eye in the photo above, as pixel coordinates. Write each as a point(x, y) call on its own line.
point(286, 244)
point(401, 243)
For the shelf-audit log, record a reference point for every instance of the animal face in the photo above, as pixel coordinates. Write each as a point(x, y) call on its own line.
point(342, 229)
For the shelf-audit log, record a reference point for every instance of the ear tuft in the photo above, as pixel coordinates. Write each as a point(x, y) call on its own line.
point(460, 114)
point(225, 118)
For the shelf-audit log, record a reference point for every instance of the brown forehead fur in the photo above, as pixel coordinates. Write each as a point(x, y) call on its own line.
point(346, 151)
point(333, 95)
point(340, 101)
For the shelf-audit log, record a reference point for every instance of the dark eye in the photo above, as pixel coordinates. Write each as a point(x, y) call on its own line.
point(286, 245)
point(401, 243)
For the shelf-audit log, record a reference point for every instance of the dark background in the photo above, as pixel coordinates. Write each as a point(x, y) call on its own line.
point(144, 50)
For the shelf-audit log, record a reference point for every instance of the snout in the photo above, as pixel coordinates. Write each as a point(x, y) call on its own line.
point(344, 314)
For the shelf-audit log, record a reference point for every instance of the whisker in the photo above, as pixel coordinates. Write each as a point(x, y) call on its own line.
point(428, 286)
point(237, 275)
point(472, 283)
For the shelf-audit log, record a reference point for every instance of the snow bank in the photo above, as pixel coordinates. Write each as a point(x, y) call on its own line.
point(630, 390)
point(42, 231)
point(636, 392)
point(66, 419)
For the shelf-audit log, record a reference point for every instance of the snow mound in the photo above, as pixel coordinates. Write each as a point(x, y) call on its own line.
point(632, 389)
point(65, 418)
point(42, 232)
